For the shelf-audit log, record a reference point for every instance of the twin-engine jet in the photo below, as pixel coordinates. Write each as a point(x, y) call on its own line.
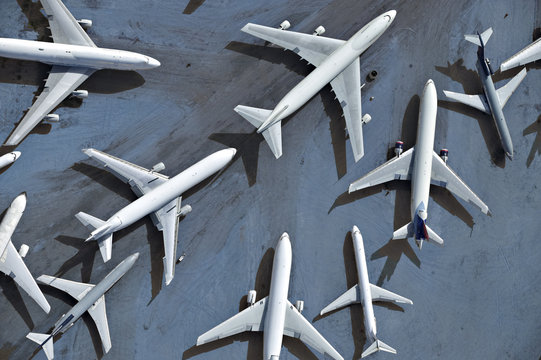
point(422, 166)
point(159, 197)
point(73, 56)
point(274, 315)
point(336, 61)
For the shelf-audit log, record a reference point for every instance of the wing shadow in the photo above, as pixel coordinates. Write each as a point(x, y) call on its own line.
point(192, 6)
point(534, 128)
point(13, 295)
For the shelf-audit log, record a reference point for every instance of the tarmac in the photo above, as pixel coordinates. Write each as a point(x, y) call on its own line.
point(477, 297)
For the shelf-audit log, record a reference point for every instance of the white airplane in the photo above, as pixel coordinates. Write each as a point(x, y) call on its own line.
point(336, 61)
point(73, 56)
point(9, 158)
point(11, 261)
point(527, 55)
point(159, 197)
point(274, 315)
point(90, 298)
point(365, 293)
point(421, 165)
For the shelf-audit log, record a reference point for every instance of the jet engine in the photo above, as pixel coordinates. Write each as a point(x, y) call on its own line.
point(299, 305)
point(250, 299)
point(398, 148)
point(489, 66)
point(185, 210)
point(158, 167)
point(444, 154)
point(85, 23)
point(80, 94)
point(23, 250)
point(320, 30)
point(372, 75)
point(285, 25)
point(52, 118)
point(366, 118)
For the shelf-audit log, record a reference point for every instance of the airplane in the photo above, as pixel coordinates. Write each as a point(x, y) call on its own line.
point(73, 56)
point(274, 314)
point(9, 158)
point(492, 101)
point(90, 298)
point(365, 293)
point(11, 261)
point(158, 195)
point(336, 61)
point(529, 54)
point(422, 166)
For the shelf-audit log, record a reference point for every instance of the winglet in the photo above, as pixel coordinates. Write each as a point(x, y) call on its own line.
point(45, 341)
point(479, 39)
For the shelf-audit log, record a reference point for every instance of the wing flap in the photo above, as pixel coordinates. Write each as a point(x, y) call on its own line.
point(505, 92)
point(475, 101)
point(64, 28)
point(379, 294)
point(99, 315)
point(76, 289)
point(351, 296)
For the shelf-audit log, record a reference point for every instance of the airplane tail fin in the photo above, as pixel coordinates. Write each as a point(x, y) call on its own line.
point(423, 232)
point(257, 117)
point(376, 346)
point(479, 39)
point(45, 341)
point(105, 243)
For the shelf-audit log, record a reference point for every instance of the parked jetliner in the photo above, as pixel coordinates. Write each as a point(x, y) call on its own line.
point(73, 56)
point(421, 165)
point(91, 298)
point(274, 315)
point(11, 262)
point(365, 293)
point(492, 101)
point(336, 61)
point(527, 55)
point(9, 158)
point(159, 196)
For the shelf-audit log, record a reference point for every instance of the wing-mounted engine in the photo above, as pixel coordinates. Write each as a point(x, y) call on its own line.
point(444, 154)
point(320, 30)
point(285, 25)
point(366, 119)
point(185, 210)
point(299, 305)
point(85, 23)
point(80, 94)
point(158, 167)
point(251, 297)
point(398, 148)
point(23, 250)
point(52, 118)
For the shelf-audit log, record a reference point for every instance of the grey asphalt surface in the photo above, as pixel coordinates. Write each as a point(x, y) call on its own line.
point(476, 298)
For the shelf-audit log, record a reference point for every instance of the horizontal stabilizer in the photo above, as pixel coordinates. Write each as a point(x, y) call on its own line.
point(404, 232)
point(475, 38)
point(379, 294)
point(45, 341)
point(433, 237)
point(106, 247)
point(75, 289)
point(505, 92)
point(89, 220)
point(257, 117)
point(352, 296)
point(475, 101)
point(376, 346)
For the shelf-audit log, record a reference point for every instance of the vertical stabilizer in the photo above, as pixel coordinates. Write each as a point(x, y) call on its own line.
point(376, 346)
point(45, 341)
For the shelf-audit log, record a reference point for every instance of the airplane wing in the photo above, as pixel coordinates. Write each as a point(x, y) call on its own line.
point(13, 265)
point(297, 326)
point(352, 296)
point(398, 168)
point(476, 101)
point(98, 314)
point(62, 81)
point(140, 179)
point(250, 319)
point(315, 49)
point(443, 176)
point(166, 220)
point(505, 92)
point(379, 294)
point(530, 53)
point(347, 87)
point(64, 28)
point(75, 289)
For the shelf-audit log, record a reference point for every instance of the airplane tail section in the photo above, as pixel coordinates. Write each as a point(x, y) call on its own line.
point(45, 341)
point(479, 39)
point(105, 243)
point(404, 232)
point(257, 117)
point(376, 346)
point(433, 237)
point(420, 232)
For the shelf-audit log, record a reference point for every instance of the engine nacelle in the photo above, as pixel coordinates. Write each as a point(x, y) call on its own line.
point(299, 305)
point(487, 60)
point(23, 250)
point(398, 148)
point(250, 299)
point(185, 210)
point(285, 25)
point(53, 118)
point(372, 75)
point(320, 30)
point(85, 23)
point(444, 154)
point(80, 94)
point(366, 118)
point(158, 167)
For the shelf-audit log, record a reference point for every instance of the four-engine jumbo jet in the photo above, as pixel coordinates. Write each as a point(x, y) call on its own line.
point(274, 315)
point(73, 56)
point(421, 165)
point(492, 101)
point(159, 196)
point(365, 293)
point(336, 61)
point(11, 262)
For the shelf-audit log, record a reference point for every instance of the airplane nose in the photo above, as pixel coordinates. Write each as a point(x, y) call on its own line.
point(16, 154)
point(153, 62)
point(233, 150)
point(390, 15)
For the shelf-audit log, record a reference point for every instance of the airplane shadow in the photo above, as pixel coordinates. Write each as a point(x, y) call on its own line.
point(534, 128)
point(192, 6)
point(85, 256)
point(13, 295)
point(105, 178)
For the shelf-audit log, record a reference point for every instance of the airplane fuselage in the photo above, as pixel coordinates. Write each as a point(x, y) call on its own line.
point(74, 55)
point(495, 106)
point(163, 194)
point(331, 67)
point(9, 158)
point(277, 302)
